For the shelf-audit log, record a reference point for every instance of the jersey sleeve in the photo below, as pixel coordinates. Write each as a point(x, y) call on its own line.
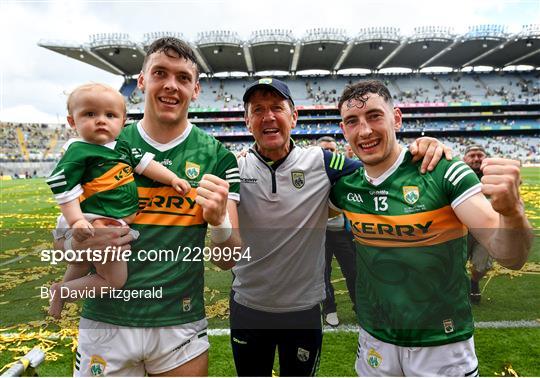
point(337, 165)
point(65, 179)
point(227, 169)
point(459, 181)
point(334, 199)
point(139, 160)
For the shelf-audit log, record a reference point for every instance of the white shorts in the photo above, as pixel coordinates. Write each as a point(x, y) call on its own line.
point(375, 358)
point(111, 350)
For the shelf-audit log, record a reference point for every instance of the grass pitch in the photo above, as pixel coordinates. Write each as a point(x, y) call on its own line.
point(28, 213)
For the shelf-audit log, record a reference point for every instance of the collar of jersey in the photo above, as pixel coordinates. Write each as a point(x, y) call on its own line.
point(162, 147)
point(379, 180)
point(70, 141)
point(271, 163)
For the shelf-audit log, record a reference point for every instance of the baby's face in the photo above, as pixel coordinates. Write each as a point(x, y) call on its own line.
point(98, 115)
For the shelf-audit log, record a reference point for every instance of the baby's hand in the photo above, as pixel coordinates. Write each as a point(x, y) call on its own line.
point(82, 230)
point(181, 186)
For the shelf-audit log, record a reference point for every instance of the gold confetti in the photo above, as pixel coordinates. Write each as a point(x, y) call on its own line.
point(219, 309)
point(508, 371)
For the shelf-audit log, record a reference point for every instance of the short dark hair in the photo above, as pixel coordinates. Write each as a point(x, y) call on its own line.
point(475, 147)
point(359, 91)
point(327, 139)
point(174, 48)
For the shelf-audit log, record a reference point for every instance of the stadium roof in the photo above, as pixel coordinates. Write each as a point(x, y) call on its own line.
point(323, 49)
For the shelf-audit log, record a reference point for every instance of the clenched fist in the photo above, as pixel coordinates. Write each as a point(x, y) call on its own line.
point(501, 182)
point(212, 195)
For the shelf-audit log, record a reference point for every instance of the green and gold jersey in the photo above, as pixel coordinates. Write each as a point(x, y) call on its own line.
point(101, 176)
point(171, 226)
point(412, 286)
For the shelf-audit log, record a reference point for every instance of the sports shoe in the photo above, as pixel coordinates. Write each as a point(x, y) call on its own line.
point(475, 298)
point(332, 319)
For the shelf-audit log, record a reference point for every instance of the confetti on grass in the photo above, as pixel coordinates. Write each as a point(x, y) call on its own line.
point(508, 371)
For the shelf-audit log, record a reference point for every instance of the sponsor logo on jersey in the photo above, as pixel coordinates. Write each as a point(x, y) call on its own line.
point(137, 153)
point(97, 366)
point(120, 174)
point(410, 230)
point(298, 179)
point(123, 172)
point(392, 229)
point(166, 162)
point(411, 194)
point(246, 180)
point(163, 206)
point(378, 192)
point(448, 325)
point(354, 197)
point(302, 354)
point(192, 170)
point(374, 359)
point(167, 202)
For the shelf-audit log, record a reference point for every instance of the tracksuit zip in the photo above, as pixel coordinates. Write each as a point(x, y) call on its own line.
point(272, 172)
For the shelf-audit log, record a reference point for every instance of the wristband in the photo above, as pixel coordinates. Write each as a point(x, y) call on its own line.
point(221, 232)
point(67, 243)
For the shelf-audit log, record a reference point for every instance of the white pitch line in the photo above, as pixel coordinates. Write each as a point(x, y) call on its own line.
point(354, 329)
point(509, 324)
point(12, 260)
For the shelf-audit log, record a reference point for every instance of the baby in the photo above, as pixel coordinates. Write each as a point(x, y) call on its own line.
point(94, 182)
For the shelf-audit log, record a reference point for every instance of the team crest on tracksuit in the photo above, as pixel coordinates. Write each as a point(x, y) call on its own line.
point(298, 179)
point(302, 354)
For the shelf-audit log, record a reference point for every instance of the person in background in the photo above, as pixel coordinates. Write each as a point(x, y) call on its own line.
point(339, 243)
point(481, 261)
point(349, 153)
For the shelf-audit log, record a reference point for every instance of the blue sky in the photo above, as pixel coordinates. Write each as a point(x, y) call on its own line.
point(34, 81)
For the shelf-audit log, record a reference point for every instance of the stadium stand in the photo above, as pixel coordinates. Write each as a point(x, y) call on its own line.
point(32, 149)
point(32, 141)
point(522, 148)
point(407, 88)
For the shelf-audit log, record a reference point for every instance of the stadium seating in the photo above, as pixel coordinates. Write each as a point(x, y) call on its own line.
point(514, 87)
point(523, 148)
point(33, 148)
point(32, 141)
point(417, 125)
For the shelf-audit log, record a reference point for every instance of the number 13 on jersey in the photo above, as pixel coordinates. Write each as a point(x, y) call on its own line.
point(380, 203)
